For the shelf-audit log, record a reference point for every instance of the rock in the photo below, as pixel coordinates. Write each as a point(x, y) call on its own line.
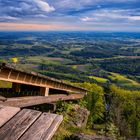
point(88, 137)
point(78, 116)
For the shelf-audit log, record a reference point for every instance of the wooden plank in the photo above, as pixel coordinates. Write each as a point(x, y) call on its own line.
point(36, 100)
point(54, 126)
point(13, 129)
point(38, 130)
point(2, 98)
point(6, 113)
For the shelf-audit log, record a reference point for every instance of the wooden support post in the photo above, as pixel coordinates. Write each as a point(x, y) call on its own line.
point(17, 76)
point(44, 91)
point(53, 107)
point(16, 87)
point(9, 74)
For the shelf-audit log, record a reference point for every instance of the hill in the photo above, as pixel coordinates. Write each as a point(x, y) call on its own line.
point(107, 64)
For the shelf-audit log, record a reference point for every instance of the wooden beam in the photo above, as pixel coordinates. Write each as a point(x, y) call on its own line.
point(9, 74)
point(17, 76)
point(31, 79)
point(36, 100)
point(36, 80)
point(44, 91)
point(40, 81)
point(25, 77)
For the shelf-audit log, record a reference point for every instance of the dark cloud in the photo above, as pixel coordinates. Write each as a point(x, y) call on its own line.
point(23, 9)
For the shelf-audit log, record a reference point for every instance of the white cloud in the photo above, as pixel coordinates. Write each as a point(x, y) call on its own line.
point(44, 6)
point(134, 17)
point(8, 18)
point(86, 19)
point(111, 15)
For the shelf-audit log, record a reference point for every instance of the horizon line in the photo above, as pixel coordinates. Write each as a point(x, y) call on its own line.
point(70, 31)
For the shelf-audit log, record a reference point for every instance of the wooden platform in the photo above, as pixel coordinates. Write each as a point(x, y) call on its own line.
point(26, 124)
point(33, 79)
point(36, 100)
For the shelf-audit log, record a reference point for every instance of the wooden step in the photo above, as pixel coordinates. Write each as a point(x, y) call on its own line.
point(27, 124)
point(54, 126)
point(13, 129)
point(45, 122)
point(6, 113)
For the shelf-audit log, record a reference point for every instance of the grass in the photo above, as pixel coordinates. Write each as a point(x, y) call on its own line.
point(27, 67)
point(47, 60)
point(81, 67)
point(44, 59)
point(119, 80)
point(65, 131)
point(99, 79)
point(4, 84)
point(114, 58)
point(123, 81)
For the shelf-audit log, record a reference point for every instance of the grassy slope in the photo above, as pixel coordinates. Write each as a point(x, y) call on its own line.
point(123, 81)
point(4, 84)
point(119, 80)
point(99, 79)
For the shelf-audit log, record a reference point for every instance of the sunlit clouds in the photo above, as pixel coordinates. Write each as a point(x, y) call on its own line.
point(44, 6)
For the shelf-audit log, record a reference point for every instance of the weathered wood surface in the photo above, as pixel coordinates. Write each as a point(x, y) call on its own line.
point(36, 100)
point(54, 126)
point(41, 133)
point(6, 113)
point(2, 98)
point(29, 125)
point(13, 129)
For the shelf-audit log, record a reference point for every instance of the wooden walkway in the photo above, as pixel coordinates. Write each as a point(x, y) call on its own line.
point(27, 124)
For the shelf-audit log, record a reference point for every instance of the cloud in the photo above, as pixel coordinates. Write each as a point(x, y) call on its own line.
point(24, 9)
point(112, 15)
point(134, 18)
point(44, 6)
point(9, 18)
point(83, 4)
point(86, 19)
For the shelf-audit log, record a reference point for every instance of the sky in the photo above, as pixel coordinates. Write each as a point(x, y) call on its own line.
point(86, 15)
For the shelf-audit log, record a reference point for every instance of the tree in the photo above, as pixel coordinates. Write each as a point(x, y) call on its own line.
point(125, 110)
point(15, 60)
point(95, 102)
